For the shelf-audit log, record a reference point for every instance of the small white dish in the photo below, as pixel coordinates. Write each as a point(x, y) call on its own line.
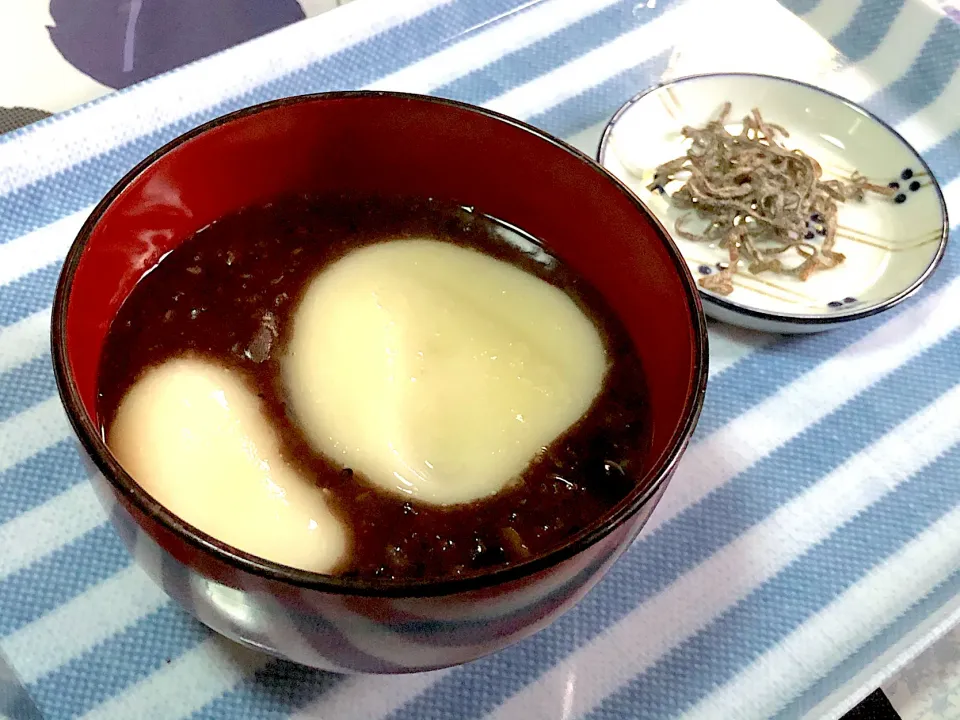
point(892, 245)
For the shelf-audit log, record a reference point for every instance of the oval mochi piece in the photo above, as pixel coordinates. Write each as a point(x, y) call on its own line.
point(193, 435)
point(437, 371)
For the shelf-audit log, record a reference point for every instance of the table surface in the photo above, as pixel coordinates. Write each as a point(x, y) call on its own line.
point(60, 68)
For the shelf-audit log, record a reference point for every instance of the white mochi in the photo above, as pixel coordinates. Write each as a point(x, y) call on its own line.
point(194, 436)
point(436, 371)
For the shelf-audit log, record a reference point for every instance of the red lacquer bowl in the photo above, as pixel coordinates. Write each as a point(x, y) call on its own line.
point(380, 143)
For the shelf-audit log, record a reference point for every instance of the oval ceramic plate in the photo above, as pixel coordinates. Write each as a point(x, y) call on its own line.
point(892, 244)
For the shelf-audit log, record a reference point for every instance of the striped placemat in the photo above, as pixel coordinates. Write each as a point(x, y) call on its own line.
point(813, 526)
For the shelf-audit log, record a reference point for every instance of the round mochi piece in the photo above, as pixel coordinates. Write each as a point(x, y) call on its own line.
point(437, 371)
point(194, 436)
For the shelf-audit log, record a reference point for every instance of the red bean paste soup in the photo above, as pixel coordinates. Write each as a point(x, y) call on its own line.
point(229, 296)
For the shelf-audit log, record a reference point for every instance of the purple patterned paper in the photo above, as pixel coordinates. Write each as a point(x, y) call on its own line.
point(121, 42)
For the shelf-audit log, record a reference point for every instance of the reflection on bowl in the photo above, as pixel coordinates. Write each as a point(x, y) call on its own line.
point(386, 144)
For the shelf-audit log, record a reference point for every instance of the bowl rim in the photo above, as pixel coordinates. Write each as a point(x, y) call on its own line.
point(93, 443)
point(801, 319)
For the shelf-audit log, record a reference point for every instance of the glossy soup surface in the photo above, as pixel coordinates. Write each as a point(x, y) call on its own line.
point(228, 296)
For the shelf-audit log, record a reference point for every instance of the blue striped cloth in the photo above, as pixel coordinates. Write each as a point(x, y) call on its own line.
point(810, 542)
